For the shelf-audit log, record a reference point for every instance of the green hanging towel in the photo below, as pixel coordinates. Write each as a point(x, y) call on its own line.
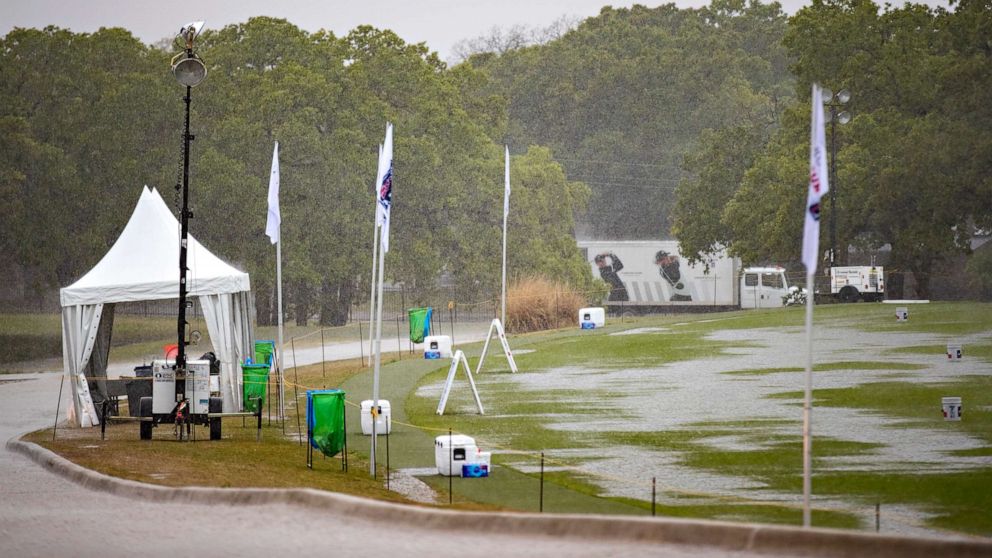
point(325, 420)
point(255, 378)
point(420, 323)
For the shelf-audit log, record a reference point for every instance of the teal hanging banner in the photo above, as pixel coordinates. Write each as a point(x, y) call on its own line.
point(255, 380)
point(325, 420)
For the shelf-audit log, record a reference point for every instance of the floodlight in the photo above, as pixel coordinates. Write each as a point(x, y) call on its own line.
point(826, 95)
point(189, 71)
point(843, 117)
point(843, 96)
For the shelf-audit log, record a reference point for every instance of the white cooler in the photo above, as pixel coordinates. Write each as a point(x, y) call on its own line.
point(591, 318)
point(437, 346)
point(451, 452)
point(383, 422)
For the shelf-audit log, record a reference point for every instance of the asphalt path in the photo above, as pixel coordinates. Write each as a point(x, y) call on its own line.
point(44, 514)
point(309, 352)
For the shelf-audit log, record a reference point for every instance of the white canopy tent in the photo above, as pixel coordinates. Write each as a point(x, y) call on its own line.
point(143, 265)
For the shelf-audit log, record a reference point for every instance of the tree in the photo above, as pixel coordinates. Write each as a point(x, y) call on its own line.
point(621, 98)
point(71, 100)
point(715, 172)
point(911, 168)
point(911, 145)
point(88, 119)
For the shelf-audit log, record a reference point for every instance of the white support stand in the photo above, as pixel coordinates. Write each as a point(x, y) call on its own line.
point(458, 358)
point(498, 327)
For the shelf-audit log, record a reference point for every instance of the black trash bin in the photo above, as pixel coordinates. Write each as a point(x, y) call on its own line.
point(138, 387)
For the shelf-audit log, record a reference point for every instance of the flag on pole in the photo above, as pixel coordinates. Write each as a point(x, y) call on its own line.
point(273, 220)
point(506, 190)
point(506, 214)
point(384, 187)
point(818, 183)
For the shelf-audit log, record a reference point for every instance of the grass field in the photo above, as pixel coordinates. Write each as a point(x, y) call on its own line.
point(611, 412)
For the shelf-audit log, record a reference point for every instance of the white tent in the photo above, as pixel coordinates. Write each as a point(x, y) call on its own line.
point(144, 265)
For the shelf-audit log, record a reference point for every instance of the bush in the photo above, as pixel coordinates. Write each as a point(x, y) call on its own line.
point(22, 347)
point(537, 303)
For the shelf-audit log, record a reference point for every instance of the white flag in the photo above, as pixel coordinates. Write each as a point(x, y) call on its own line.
point(819, 184)
point(384, 187)
point(273, 220)
point(506, 190)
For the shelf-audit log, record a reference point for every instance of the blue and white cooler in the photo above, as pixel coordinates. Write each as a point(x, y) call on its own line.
point(437, 346)
point(591, 318)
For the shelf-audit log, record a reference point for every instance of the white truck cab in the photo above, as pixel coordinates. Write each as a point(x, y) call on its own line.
point(763, 287)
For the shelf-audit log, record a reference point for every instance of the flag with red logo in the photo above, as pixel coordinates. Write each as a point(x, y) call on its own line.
point(818, 183)
point(384, 187)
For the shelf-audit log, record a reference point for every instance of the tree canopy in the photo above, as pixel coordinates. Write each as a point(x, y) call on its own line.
point(624, 96)
point(912, 167)
point(660, 122)
point(82, 137)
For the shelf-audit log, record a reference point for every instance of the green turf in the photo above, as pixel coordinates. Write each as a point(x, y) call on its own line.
point(517, 423)
point(831, 366)
point(775, 459)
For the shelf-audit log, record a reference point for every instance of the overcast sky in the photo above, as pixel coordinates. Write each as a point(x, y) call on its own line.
point(439, 23)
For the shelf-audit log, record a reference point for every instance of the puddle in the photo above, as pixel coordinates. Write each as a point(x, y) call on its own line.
point(641, 330)
point(681, 395)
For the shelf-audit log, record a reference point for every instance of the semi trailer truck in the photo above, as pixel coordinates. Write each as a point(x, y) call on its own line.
point(646, 276)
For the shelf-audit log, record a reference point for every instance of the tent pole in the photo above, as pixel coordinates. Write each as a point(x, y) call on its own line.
point(58, 405)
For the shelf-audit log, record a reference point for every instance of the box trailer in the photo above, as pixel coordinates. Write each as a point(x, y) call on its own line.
point(651, 275)
point(854, 283)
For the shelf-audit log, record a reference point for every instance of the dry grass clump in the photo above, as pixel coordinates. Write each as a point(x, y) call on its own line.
point(538, 303)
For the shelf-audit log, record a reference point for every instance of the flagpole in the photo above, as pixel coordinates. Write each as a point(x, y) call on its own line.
point(372, 298)
point(808, 403)
point(273, 229)
point(282, 374)
point(375, 252)
point(384, 186)
point(378, 359)
point(819, 184)
point(506, 211)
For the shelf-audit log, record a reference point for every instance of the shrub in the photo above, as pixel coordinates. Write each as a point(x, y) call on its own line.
point(538, 303)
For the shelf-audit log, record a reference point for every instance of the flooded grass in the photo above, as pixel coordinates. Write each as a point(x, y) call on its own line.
point(711, 409)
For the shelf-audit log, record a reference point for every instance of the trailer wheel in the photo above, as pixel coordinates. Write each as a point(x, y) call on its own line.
point(216, 406)
point(145, 411)
point(849, 294)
